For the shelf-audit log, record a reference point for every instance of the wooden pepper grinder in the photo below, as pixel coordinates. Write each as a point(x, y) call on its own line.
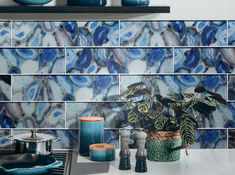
point(140, 156)
point(125, 152)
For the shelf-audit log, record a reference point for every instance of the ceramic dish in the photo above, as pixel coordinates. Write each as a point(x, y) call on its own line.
point(32, 2)
point(18, 164)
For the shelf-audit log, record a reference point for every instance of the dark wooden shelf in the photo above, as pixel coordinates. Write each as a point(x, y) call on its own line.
point(85, 9)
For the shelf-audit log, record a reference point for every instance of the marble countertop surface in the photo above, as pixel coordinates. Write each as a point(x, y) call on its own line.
point(198, 162)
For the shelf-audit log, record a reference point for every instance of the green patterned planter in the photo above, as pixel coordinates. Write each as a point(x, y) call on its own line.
point(158, 150)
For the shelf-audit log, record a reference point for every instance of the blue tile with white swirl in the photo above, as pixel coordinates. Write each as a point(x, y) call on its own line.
point(204, 60)
point(5, 87)
point(210, 139)
point(231, 87)
point(26, 60)
point(128, 60)
point(231, 33)
point(106, 110)
point(65, 88)
point(167, 84)
point(32, 115)
point(111, 137)
point(67, 33)
point(5, 143)
point(5, 33)
point(173, 33)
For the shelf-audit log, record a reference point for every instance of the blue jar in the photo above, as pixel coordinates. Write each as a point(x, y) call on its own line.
point(91, 132)
point(102, 152)
point(87, 2)
point(135, 2)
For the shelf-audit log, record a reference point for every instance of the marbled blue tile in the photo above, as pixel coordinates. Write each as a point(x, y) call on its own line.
point(35, 61)
point(210, 139)
point(32, 115)
point(166, 84)
point(204, 60)
point(66, 33)
point(231, 33)
point(231, 87)
point(111, 137)
point(128, 60)
point(5, 143)
point(5, 87)
point(65, 88)
point(108, 111)
point(5, 33)
point(173, 33)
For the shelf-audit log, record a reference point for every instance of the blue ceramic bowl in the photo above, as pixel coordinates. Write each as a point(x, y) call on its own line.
point(87, 2)
point(32, 2)
point(135, 2)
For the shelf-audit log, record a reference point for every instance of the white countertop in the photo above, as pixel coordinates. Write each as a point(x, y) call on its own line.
point(199, 162)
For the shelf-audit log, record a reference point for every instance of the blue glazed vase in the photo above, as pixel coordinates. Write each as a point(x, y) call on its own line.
point(87, 2)
point(102, 152)
point(91, 132)
point(135, 2)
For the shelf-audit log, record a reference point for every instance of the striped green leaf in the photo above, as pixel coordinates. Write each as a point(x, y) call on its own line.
point(187, 132)
point(145, 106)
point(133, 116)
point(132, 90)
point(160, 122)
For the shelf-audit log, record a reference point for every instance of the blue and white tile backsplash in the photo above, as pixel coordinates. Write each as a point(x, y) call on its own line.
point(53, 72)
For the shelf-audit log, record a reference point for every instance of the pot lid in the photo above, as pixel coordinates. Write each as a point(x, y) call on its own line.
point(33, 137)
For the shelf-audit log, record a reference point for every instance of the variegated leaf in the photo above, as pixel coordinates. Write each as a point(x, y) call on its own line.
point(133, 116)
point(145, 106)
point(127, 104)
point(160, 122)
point(131, 91)
point(187, 132)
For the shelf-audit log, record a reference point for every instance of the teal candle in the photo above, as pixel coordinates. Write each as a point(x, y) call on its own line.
point(102, 152)
point(91, 132)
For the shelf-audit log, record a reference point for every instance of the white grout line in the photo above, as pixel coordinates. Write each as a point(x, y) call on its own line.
point(18, 101)
point(117, 74)
point(111, 47)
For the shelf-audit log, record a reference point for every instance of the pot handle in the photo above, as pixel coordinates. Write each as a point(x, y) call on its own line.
point(56, 139)
point(10, 138)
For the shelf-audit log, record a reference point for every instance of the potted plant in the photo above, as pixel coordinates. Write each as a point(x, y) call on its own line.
point(169, 121)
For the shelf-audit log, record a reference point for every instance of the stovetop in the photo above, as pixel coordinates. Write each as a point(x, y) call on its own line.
point(60, 156)
point(64, 156)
